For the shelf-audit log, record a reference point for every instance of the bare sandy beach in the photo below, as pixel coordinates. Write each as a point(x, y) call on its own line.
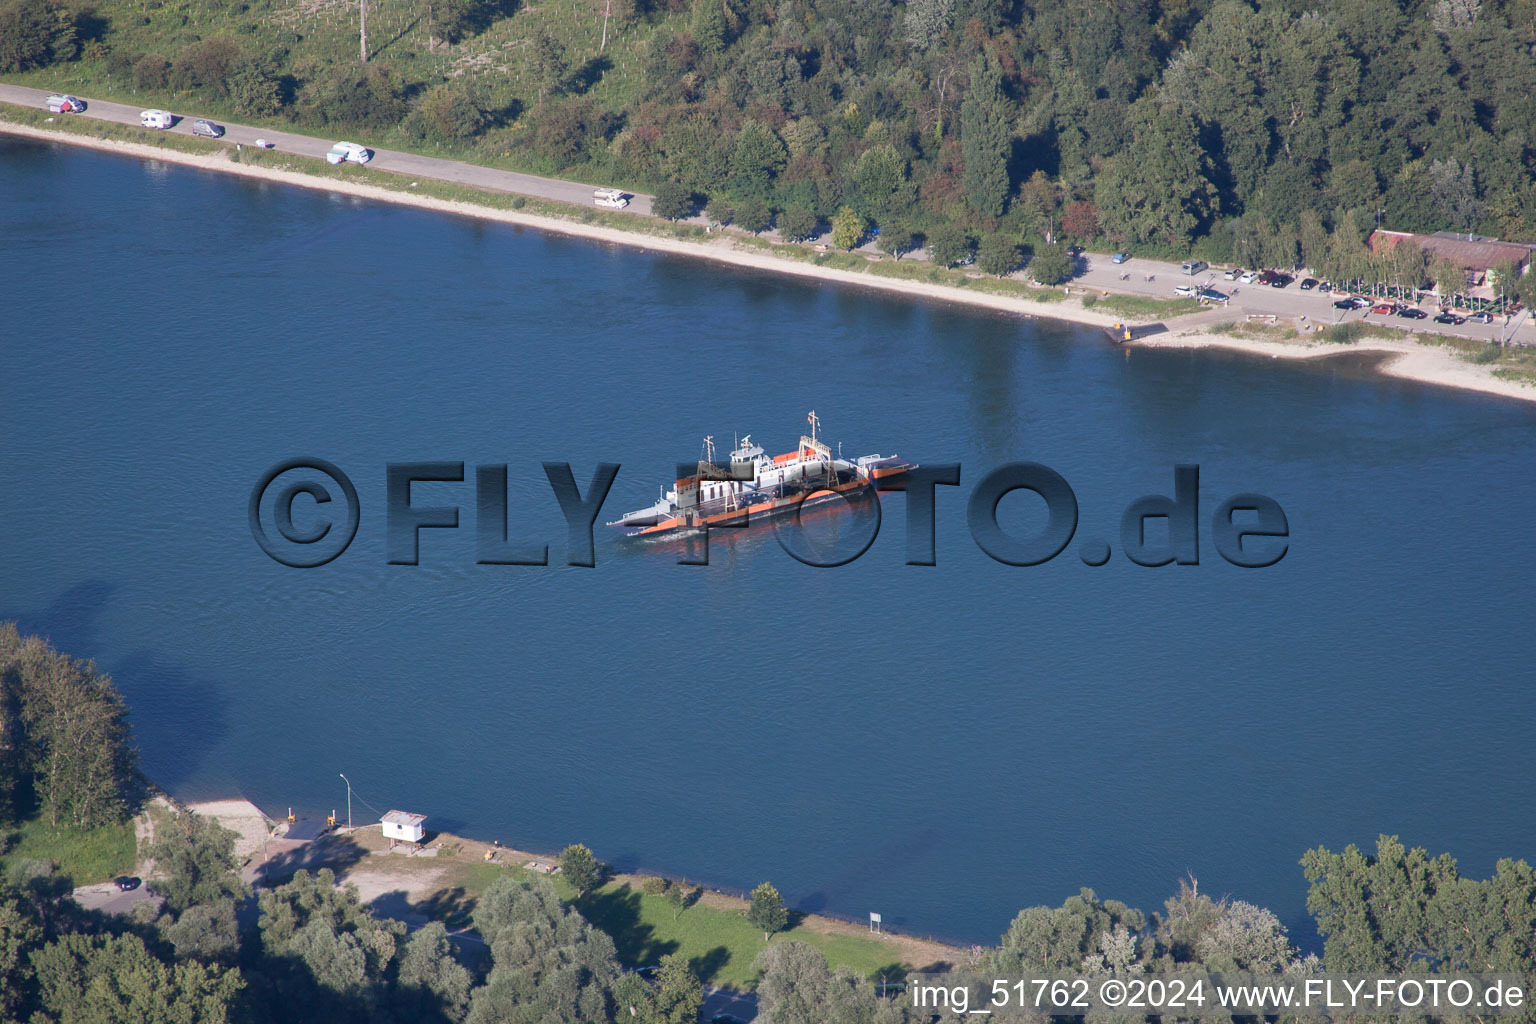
point(1405, 359)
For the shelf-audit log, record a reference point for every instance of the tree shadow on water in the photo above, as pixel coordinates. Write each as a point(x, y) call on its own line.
point(178, 718)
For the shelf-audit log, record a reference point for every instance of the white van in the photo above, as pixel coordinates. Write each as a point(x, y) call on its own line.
point(348, 152)
point(155, 119)
point(613, 198)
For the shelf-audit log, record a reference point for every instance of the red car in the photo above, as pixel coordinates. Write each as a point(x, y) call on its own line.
point(1384, 307)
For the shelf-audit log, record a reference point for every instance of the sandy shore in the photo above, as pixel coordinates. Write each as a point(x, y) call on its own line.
point(1407, 359)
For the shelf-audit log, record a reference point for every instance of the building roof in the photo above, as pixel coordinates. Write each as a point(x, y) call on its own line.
point(403, 818)
point(1479, 254)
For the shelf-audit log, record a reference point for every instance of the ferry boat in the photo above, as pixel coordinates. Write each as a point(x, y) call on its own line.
point(756, 484)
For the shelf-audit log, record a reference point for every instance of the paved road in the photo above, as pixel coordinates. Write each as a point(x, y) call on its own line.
point(1139, 276)
point(724, 1000)
point(107, 897)
point(405, 164)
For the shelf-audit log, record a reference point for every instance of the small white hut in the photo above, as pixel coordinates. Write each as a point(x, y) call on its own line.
point(403, 827)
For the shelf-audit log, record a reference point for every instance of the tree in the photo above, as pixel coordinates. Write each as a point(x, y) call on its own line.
point(196, 854)
point(89, 978)
point(754, 215)
point(679, 993)
point(1454, 187)
point(1040, 196)
point(682, 896)
point(1380, 913)
point(795, 986)
point(1050, 265)
point(895, 240)
point(1158, 190)
point(985, 137)
point(948, 245)
point(758, 157)
point(673, 201)
point(431, 983)
point(797, 223)
point(547, 63)
point(1246, 938)
point(74, 732)
point(580, 868)
point(204, 931)
point(927, 21)
point(1059, 938)
point(548, 963)
point(446, 113)
point(1080, 220)
point(21, 933)
point(36, 33)
point(325, 939)
point(767, 910)
point(881, 178)
point(711, 24)
point(1450, 277)
point(998, 255)
point(847, 228)
point(720, 210)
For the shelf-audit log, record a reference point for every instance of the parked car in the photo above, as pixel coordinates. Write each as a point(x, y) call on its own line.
point(1325, 285)
point(1074, 251)
point(1194, 266)
point(1280, 280)
point(1266, 276)
point(1344, 304)
point(1185, 290)
point(62, 103)
point(1212, 295)
point(1119, 257)
point(1308, 284)
point(207, 129)
point(1411, 313)
point(1359, 301)
point(157, 119)
point(1445, 316)
point(126, 883)
point(1384, 307)
point(348, 152)
point(1233, 273)
point(1481, 317)
point(1250, 277)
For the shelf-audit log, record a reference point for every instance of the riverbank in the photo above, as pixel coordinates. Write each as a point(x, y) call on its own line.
point(442, 881)
point(1405, 358)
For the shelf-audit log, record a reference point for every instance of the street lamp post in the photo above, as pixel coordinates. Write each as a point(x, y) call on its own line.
point(349, 800)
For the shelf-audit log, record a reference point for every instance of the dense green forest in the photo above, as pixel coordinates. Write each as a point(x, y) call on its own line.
point(1261, 133)
point(317, 953)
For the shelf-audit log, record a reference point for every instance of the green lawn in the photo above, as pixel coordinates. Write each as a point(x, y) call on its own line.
point(1146, 306)
point(719, 943)
point(92, 855)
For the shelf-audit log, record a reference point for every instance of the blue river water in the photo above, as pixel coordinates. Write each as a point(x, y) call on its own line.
point(943, 745)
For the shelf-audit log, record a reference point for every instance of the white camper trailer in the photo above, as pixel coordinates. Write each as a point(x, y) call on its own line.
point(155, 119)
point(613, 198)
